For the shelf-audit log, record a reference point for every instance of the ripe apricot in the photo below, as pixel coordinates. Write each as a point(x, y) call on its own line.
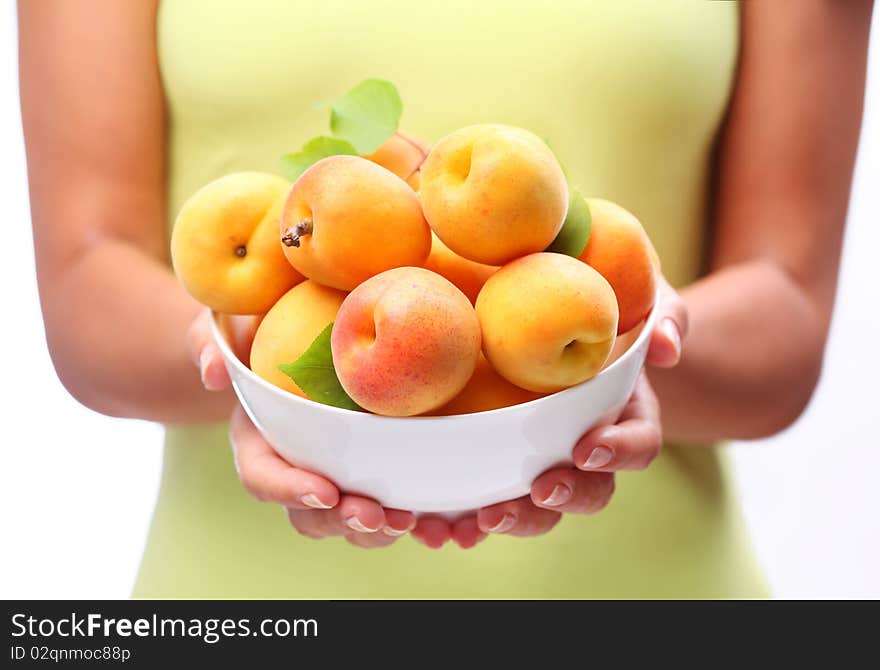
point(619, 248)
point(224, 245)
point(548, 321)
point(468, 276)
point(405, 342)
point(403, 154)
point(290, 327)
point(347, 219)
point(485, 391)
point(493, 193)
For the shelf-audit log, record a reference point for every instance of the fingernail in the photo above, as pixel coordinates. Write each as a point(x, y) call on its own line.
point(393, 532)
point(671, 330)
point(599, 457)
point(311, 500)
point(356, 524)
point(560, 495)
point(204, 360)
point(505, 524)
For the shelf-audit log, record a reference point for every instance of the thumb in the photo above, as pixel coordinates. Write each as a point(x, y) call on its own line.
point(205, 353)
point(670, 329)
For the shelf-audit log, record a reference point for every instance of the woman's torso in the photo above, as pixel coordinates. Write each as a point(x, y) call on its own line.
point(629, 95)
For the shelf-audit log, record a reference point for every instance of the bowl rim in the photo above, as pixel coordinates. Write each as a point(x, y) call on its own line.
point(230, 356)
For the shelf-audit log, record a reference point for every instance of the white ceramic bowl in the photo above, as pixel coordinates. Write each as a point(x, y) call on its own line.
point(445, 465)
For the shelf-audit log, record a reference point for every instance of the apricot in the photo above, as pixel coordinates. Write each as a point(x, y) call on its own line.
point(290, 327)
point(485, 391)
point(493, 193)
point(405, 342)
point(622, 343)
point(468, 276)
point(548, 321)
point(403, 154)
point(347, 219)
point(619, 248)
point(224, 245)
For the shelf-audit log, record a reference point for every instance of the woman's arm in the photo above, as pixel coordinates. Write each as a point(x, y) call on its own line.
point(121, 330)
point(93, 116)
point(758, 322)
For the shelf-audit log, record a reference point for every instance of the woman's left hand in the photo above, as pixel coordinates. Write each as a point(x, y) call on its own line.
point(586, 487)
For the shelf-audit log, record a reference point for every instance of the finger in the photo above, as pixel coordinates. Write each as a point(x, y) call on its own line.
point(360, 514)
point(466, 532)
point(268, 477)
point(206, 354)
point(572, 492)
point(517, 517)
point(664, 348)
point(630, 444)
point(432, 531)
point(373, 541)
point(353, 514)
point(242, 329)
point(398, 522)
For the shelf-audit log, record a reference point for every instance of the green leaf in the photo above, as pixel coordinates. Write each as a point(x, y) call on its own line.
point(314, 373)
point(575, 232)
point(293, 165)
point(367, 115)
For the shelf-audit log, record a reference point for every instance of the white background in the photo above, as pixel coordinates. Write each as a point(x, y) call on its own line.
point(77, 488)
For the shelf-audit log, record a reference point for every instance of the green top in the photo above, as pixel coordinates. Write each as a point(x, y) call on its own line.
point(629, 95)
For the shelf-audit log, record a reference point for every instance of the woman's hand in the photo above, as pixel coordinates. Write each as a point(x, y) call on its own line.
point(205, 352)
point(630, 444)
point(315, 507)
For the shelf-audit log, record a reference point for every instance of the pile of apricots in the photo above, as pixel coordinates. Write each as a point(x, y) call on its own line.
point(430, 263)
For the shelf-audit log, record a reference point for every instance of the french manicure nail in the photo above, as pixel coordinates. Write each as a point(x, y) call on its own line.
point(505, 524)
point(599, 457)
point(560, 495)
point(204, 360)
point(672, 333)
point(311, 500)
point(356, 524)
point(393, 532)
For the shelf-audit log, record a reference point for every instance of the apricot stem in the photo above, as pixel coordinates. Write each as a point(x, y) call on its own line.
point(241, 251)
point(292, 235)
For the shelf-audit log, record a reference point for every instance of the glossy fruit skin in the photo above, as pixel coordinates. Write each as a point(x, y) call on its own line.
point(290, 327)
point(225, 248)
point(548, 321)
point(493, 193)
point(362, 220)
point(619, 248)
point(486, 390)
point(403, 154)
point(405, 342)
point(468, 276)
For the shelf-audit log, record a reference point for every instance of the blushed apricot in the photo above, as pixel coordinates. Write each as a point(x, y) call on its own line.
point(347, 219)
point(620, 250)
point(405, 342)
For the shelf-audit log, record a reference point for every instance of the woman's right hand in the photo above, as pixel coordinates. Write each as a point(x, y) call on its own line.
point(315, 506)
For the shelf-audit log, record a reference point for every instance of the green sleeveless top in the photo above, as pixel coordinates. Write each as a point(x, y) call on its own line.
point(630, 95)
